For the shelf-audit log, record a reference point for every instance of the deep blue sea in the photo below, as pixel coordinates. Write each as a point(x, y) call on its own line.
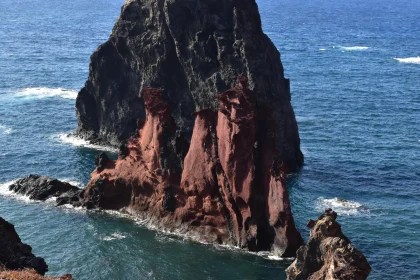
point(354, 67)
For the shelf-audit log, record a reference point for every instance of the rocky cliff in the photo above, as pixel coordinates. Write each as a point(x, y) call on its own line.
point(230, 188)
point(328, 255)
point(191, 49)
point(16, 255)
point(16, 258)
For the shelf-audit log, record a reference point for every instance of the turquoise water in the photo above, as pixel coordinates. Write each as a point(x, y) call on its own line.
point(354, 71)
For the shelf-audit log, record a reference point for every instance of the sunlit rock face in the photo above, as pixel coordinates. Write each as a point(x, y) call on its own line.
point(228, 188)
point(192, 49)
point(328, 254)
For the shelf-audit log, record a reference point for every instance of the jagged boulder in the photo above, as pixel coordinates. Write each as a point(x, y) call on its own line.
point(192, 49)
point(328, 254)
point(16, 255)
point(42, 187)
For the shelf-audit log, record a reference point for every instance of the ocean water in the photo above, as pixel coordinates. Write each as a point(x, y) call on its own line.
point(355, 78)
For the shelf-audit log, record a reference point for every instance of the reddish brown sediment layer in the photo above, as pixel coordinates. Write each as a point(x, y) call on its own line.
point(230, 187)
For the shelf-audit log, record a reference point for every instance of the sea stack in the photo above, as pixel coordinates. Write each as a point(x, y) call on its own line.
point(229, 189)
point(328, 254)
point(192, 49)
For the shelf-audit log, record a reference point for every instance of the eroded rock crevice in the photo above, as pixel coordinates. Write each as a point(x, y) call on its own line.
point(225, 188)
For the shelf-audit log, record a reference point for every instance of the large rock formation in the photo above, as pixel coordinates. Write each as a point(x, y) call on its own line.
point(16, 255)
point(328, 254)
point(229, 189)
point(192, 49)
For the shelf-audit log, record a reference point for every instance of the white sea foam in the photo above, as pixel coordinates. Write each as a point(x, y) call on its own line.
point(114, 236)
point(341, 206)
point(80, 142)
point(409, 60)
point(5, 130)
point(73, 182)
point(322, 49)
point(42, 92)
point(352, 48)
point(4, 191)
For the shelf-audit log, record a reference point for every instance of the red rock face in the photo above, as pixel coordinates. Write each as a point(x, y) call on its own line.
point(231, 188)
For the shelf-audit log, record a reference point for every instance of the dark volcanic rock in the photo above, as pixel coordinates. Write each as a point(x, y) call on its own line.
point(328, 254)
point(230, 188)
point(101, 160)
point(192, 49)
point(16, 255)
point(41, 188)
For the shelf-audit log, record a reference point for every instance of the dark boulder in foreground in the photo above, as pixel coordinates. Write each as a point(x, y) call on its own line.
point(42, 187)
point(16, 255)
point(16, 259)
point(191, 49)
point(328, 254)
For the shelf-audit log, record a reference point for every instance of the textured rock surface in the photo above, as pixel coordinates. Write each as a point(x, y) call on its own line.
point(230, 188)
point(328, 254)
point(41, 187)
point(28, 274)
point(16, 255)
point(192, 49)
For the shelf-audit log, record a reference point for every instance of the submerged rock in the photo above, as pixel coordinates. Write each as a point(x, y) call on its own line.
point(16, 255)
point(42, 187)
point(228, 189)
point(328, 254)
point(192, 49)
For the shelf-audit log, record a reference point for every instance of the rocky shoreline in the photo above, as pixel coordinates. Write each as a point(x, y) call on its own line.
point(328, 254)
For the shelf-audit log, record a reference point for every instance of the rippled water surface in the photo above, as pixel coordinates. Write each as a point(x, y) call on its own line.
point(355, 76)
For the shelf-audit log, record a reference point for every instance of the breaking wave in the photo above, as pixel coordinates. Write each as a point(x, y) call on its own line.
point(5, 130)
point(80, 142)
point(352, 48)
point(409, 60)
point(41, 92)
point(341, 206)
point(73, 182)
point(4, 191)
point(114, 236)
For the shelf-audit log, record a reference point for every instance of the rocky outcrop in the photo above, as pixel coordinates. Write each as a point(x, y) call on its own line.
point(192, 49)
point(38, 187)
point(230, 188)
point(16, 255)
point(16, 258)
point(328, 254)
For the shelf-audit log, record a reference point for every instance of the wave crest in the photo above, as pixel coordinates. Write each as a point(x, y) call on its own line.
point(341, 206)
point(114, 236)
point(43, 92)
point(352, 48)
point(5, 130)
point(409, 60)
point(80, 142)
